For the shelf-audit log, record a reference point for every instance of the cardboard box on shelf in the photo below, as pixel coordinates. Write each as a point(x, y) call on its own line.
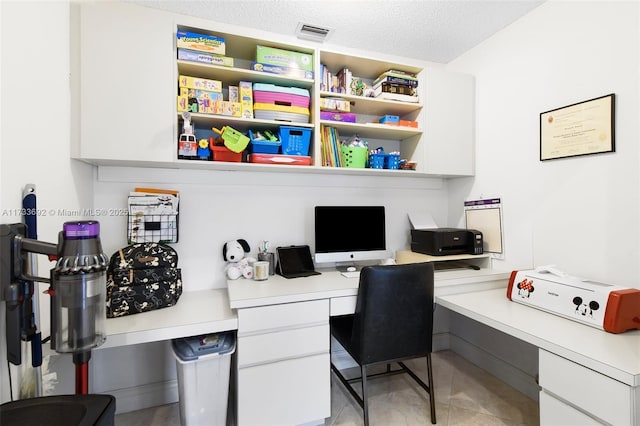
point(284, 58)
point(204, 57)
point(245, 90)
point(201, 42)
point(200, 83)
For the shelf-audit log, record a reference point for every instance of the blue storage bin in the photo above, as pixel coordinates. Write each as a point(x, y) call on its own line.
point(392, 161)
point(295, 140)
point(376, 161)
point(263, 146)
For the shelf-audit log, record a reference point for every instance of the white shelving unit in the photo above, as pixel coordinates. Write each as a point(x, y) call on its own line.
point(127, 112)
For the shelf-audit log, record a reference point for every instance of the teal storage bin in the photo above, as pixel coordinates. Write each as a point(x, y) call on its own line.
point(295, 140)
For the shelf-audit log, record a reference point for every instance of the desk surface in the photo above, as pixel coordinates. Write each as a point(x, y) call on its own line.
point(247, 293)
point(197, 312)
point(616, 355)
point(211, 311)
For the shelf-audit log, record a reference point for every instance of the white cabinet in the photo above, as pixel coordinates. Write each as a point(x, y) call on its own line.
point(448, 141)
point(125, 67)
point(126, 75)
point(283, 363)
point(571, 391)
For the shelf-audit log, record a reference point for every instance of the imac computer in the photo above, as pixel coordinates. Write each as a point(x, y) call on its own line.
point(348, 234)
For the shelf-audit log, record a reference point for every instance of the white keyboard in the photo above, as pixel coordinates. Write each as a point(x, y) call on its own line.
point(354, 274)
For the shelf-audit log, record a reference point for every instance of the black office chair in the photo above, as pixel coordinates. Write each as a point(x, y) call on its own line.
point(393, 322)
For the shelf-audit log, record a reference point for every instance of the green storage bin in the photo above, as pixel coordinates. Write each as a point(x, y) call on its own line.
point(354, 156)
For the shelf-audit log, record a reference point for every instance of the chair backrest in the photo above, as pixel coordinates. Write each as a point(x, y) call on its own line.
point(394, 312)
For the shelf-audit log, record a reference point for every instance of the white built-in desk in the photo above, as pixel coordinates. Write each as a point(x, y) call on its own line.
point(615, 355)
point(197, 312)
point(587, 376)
point(283, 352)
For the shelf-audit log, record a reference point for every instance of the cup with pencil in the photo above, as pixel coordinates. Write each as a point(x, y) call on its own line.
point(265, 255)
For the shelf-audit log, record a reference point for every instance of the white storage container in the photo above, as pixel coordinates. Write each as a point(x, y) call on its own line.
point(203, 364)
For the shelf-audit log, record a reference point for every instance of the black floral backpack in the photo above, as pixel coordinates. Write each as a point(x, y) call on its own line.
point(142, 277)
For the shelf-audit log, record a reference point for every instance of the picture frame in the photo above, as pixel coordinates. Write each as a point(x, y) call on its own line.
point(583, 128)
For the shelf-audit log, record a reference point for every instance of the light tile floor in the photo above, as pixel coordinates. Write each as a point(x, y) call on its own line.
point(465, 395)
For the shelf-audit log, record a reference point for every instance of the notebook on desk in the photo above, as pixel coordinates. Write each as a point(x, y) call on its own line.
point(295, 262)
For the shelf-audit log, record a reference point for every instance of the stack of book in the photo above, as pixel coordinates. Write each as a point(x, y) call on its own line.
point(397, 86)
point(342, 82)
point(331, 153)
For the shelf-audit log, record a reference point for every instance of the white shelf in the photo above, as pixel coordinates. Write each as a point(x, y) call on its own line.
point(226, 74)
point(252, 123)
point(373, 130)
point(373, 106)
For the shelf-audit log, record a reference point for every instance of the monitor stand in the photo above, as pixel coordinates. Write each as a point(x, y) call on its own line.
point(344, 267)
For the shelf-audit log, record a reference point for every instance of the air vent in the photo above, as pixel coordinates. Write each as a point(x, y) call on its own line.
point(312, 32)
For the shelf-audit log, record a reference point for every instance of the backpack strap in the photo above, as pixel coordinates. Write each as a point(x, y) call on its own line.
point(124, 260)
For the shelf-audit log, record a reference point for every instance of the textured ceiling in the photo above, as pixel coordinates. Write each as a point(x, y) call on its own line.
point(430, 30)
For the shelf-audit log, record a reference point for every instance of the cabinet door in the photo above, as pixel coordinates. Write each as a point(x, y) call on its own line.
point(449, 138)
point(126, 70)
point(285, 393)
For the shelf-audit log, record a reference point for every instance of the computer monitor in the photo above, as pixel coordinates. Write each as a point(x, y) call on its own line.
point(350, 233)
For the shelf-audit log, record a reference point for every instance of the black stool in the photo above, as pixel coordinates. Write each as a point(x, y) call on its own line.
point(72, 410)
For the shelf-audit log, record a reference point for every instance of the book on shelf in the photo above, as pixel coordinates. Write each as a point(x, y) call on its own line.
point(331, 154)
point(396, 73)
point(398, 97)
point(395, 80)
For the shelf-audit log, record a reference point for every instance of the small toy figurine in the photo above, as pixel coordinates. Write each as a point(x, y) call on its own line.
point(187, 146)
point(204, 153)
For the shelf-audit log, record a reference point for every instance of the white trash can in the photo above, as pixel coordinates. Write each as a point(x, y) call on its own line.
point(203, 364)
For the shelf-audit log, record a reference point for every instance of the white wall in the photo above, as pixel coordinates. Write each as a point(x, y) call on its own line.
point(581, 214)
point(215, 206)
point(35, 130)
point(220, 206)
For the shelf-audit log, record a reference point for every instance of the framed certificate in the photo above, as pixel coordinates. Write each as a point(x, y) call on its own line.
point(580, 129)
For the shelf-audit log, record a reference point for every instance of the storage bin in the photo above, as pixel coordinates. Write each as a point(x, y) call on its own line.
point(392, 161)
point(280, 159)
point(376, 161)
point(389, 119)
point(346, 117)
point(203, 364)
point(222, 153)
point(295, 140)
point(263, 146)
point(354, 156)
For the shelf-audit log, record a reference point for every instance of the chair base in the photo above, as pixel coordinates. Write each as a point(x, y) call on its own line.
point(362, 401)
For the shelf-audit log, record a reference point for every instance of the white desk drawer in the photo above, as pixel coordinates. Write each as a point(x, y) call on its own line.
point(592, 392)
point(343, 305)
point(282, 345)
point(286, 315)
point(555, 412)
point(285, 393)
